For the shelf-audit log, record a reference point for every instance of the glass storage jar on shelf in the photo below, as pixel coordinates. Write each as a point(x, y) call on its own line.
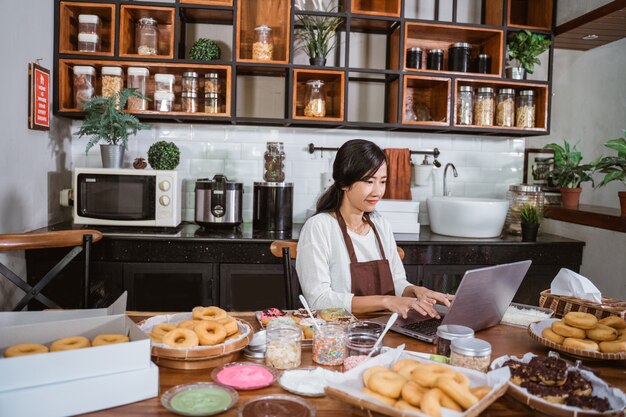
point(164, 82)
point(315, 102)
point(163, 101)
point(459, 55)
point(88, 42)
point(273, 162)
point(137, 79)
point(211, 82)
point(525, 109)
point(189, 102)
point(147, 36)
point(89, 23)
point(505, 107)
point(112, 82)
point(284, 348)
point(518, 195)
point(189, 82)
point(484, 107)
point(211, 103)
point(263, 46)
point(84, 84)
point(464, 105)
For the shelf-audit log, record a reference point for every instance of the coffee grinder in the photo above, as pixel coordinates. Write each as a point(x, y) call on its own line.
point(273, 198)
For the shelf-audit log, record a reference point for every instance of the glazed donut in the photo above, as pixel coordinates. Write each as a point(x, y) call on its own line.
point(379, 397)
point(69, 343)
point(210, 333)
point(615, 346)
point(371, 371)
point(426, 374)
point(24, 349)
point(181, 339)
point(481, 391)
point(161, 329)
point(403, 405)
point(562, 329)
point(549, 334)
point(580, 320)
point(602, 333)
point(430, 403)
point(109, 339)
point(405, 366)
point(188, 324)
point(412, 393)
point(208, 313)
point(387, 383)
point(447, 402)
point(460, 394)
point(580, 344)
point(614, 322)
point(230, 325)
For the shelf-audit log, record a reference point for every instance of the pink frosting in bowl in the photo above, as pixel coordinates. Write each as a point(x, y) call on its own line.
point(243, 376)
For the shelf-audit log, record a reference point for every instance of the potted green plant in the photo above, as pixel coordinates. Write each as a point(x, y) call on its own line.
point(318, 36)
point(614, 168)
point(568, 172)
point(523, 50)
point(205, 49)
point(529, 219)
point(164, 155)
point(106, 121)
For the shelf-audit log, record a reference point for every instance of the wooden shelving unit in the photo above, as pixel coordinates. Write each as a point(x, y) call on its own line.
point(384, 87)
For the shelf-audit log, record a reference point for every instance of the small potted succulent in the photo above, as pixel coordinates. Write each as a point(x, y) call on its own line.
point(523, 50)
point(205, 50)
point(529, 219)
point(569, 173)
point(318, 36)
point(614, 168)
point(164, 155)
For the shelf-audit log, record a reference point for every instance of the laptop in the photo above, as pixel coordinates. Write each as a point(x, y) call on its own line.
point(480, 302)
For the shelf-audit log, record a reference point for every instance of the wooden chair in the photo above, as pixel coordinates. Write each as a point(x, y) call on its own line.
point(81, 240)
point(288, 250)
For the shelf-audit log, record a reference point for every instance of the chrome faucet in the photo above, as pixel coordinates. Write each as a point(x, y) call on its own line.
point(445, 173)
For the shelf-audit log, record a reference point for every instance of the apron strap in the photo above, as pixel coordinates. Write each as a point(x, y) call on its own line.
point(348, 240)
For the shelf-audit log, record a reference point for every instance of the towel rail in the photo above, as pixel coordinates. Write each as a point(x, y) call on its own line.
point(435, 152)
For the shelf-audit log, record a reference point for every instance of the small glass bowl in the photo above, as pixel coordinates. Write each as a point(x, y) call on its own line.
point(247, 385)
point(276, 405)
point(168, 396)
point(295, 391)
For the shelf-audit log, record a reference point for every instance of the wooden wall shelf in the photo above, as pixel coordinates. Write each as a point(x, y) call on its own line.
point(376, 7)
point(228, 3)
point(333, 92)
point(130, 15)
point(430, 95)
point(589, 215)
point(68, 27)
point(253, 13)
point(530, 14)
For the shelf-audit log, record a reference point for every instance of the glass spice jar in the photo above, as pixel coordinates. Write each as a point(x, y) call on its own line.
point(448, 332)
point(137, 79)
point(273, 162)
point(505, 107)
point(112, 82)
point(434, 59)
point(283, 349)
point(211, 82)
point(189, 82)
point(84, 84)
point(459, 55)
point(314, 98)
point(525, 109)
point(518, 195)
point(484, 107)
point(189, 102)
point(263, 46)
point(414, 58)
point(146, 36)
point(464, 105)
point(211, 103)
point(470, 353)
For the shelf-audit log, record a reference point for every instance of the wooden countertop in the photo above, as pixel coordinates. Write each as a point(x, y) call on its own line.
point(503, 339)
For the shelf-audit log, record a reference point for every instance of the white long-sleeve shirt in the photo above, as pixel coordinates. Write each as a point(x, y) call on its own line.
point(323, 262)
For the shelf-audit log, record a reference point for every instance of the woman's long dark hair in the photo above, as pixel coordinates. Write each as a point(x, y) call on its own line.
point(356, 160)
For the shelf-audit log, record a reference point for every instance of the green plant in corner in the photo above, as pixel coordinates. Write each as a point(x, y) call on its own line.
point(205, 50)
point(164, 155)
point(525, 47)
point(613, 167)
point(529, 214)
point(317, 37)
point(568, 171)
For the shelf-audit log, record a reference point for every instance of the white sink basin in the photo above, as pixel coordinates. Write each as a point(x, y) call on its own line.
point(467, 216)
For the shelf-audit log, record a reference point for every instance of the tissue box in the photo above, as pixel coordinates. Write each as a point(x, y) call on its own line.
point(561, 305)
point(401, 214)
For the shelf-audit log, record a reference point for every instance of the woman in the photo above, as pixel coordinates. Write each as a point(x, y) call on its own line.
point(347, 256)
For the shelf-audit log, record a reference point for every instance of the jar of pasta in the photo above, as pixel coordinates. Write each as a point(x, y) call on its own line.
point(525, 109)
point(484, 107)
point(314, 98)
point(112, 82)
point(464, 105)
point(84, 84)
point(263, 46)
point(283, 348)
point(470, 353)
point(505, 107)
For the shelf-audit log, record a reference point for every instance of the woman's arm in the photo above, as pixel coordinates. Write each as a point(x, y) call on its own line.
point(401, 305)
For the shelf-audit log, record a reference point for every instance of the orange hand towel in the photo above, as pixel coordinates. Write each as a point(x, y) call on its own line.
point(398, 174)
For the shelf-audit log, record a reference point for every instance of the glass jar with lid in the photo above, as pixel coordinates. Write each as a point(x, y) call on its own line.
point(263, 46)
point(211, 103)
point(163, 101)
point(448, 332)
point(189, 82)
point(84, 84)
point(484, 107)
point(88, 23)
point(189, 102)
point(362, 337)
point(112, 82)
point(315, 102)
point(459, 55)
point(88, 42)
point(464, 105)
point(164, 82)
point(137, 79)
point(329, 344)
point(273, 162)
point(147, 36)
point(505, 107)
point(283, 349)
point(470, 353)
point(414, 58)
point(518, 195)
point(525, 109)
point(211, 82)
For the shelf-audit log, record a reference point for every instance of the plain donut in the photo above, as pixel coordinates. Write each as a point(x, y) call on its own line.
point(208, 313)
point(580, 344)
point(549, 334)
point(230, 325)
point(456, 391)
point(426, 374)
point(615, 346)
point(109, 339)
point(69, 343)
point(387, 383)
point(181, 338)
point(379, 397)
point(161, 329)
point(371, 371)
point(565, 330)
point(210, 333)
point(614, 322)
point(412, 393)
point(580, 320)
point(602, 333)
point(24, 349)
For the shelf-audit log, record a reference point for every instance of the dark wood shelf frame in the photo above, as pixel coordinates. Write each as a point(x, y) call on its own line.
point(588, 215)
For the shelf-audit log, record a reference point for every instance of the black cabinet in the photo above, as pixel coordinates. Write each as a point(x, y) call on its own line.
point(251, 287)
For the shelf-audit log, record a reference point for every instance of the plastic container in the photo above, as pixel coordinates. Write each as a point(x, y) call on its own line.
point(314, 98)
point(88, 42)
point(263, 46)
point(84, 84)
point(147, 36)
point(329, 344)
point(112, 82)
point(211, 82)
point(164, 83)
point(163, 101)
point(199, 399)
point(518, 195)
point(525, 109)
point(284, 349)
point(189, 102)
point(459, 55)
point(273, 162)
point(414, 58)
point(211, 103)
point(470, 353)
point(448, 332)
point(505, 107)
point(88, 24)
point(137, 79)
point(484, 106)
point(434, 59)
point(277, 405)
point(465, 105)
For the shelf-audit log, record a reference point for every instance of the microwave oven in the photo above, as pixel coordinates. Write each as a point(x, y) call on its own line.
point(126, 197)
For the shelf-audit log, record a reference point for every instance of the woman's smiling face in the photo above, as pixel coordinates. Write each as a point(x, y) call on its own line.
point(363, 195)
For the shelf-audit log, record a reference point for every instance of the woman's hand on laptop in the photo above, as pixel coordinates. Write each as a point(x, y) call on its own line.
point(402, 305)
point(428, 298)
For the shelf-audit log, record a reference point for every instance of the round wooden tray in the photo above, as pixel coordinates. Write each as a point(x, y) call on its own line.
point(535, 329)
point(188, 364)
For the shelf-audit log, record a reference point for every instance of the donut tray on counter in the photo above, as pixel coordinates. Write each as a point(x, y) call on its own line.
point(615, 397)
point(535, 330)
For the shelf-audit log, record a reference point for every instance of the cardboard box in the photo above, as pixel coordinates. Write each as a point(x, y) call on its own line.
point(401, 214)
point(81, 395)
point(561, 305)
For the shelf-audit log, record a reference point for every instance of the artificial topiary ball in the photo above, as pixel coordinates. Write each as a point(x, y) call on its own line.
point(205, 50)
point(164, 155)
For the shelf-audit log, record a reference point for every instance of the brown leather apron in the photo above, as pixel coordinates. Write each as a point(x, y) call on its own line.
point(372, 277)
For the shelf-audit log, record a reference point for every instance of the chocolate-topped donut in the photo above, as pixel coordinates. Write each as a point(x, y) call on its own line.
point(519, 371)
point(554, 394)
point(576, 384)
point(548, 370)
point(589, 402)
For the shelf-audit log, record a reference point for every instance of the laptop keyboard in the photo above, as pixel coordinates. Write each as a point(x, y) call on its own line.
point(426, 327)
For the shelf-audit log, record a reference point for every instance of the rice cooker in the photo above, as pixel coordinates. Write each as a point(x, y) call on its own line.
point(218, 202)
